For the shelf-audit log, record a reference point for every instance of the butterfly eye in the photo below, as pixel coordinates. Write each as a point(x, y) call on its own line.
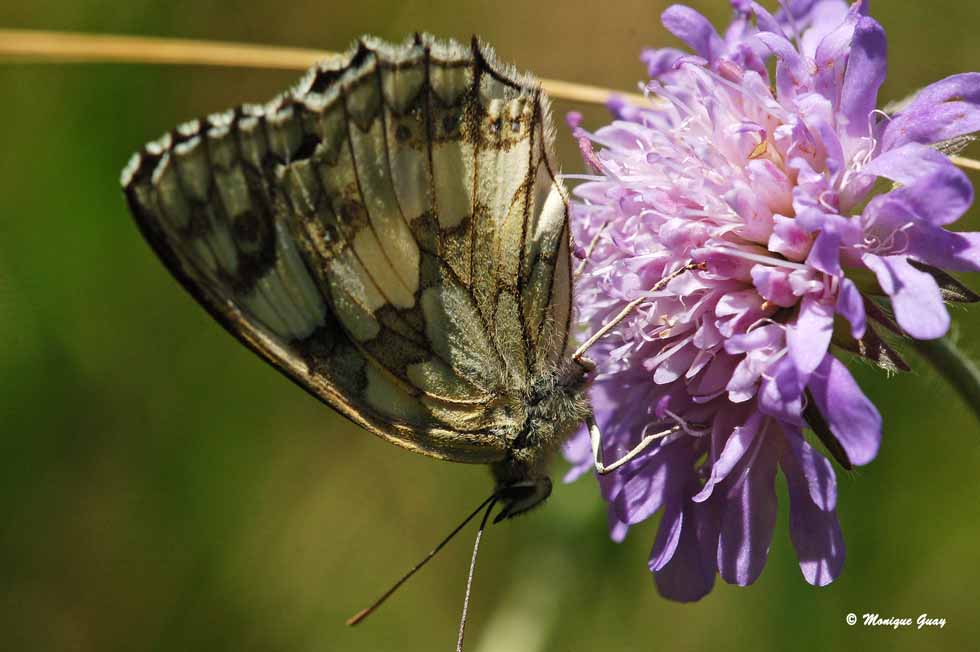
point(522, 496)
point(403, 133)
point(515, 125)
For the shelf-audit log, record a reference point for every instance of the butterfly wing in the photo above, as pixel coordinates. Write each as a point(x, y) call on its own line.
point(389, 234)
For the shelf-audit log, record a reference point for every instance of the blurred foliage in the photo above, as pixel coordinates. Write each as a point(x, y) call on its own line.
point(163, 489)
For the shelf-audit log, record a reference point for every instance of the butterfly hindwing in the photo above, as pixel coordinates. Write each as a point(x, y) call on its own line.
point(389, 234)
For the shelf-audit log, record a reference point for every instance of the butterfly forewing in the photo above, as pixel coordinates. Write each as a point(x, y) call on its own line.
point(390, 235)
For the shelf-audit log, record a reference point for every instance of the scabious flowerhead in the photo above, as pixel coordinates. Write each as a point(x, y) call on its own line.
point(791, 219)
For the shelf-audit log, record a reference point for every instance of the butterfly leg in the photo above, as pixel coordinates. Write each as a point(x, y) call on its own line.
point(630, 307)
point(596, 439)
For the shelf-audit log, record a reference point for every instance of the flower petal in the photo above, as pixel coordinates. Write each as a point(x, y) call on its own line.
point(690, 573)
point(928, 243)
point(956, 252)
point(617, 529)
point(789, 239)
point(825, 254)
point(792, 75)
point(809, 338)
point(668, 535)
point(944, 110)
point(765, 20)
point(814, 469)
point(773, 285)
point(642, 491)
point(813, 528)
point(852, 418)
point(661, 60)
point(738, 442)
point(850, 303)
point(866, 67)
point(781, 392)
point(907, 164)
point(694, 29)
point(831, 61)
point(578, 451)
point(825, 16)
point(915, 296)
point(749, 517)
point(934, 189)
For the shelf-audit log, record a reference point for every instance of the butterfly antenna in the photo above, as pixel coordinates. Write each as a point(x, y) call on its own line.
point(630, 307)
point(364, 613)
point(469, 577)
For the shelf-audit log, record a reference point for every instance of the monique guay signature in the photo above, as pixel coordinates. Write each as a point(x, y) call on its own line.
point(876, 620)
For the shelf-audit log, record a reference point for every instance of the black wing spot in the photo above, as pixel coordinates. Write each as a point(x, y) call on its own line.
point(450, 124)
point(324, 80)
point(247, 227)
point(307, 147)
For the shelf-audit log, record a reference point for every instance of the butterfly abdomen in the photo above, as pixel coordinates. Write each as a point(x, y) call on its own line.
point(553, 406)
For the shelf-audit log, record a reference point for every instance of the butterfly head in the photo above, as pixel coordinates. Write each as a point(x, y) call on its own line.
point(521, 496)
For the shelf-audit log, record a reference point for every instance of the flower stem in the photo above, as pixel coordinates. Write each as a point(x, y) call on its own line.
point(36, 45)
point(955, 366)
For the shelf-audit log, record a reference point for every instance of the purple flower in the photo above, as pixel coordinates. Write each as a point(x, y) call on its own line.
point(789, 215)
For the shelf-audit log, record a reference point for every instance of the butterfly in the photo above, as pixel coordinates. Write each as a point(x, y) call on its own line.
point(392, 235)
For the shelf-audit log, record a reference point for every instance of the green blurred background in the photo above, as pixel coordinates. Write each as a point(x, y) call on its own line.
point(163, 489)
